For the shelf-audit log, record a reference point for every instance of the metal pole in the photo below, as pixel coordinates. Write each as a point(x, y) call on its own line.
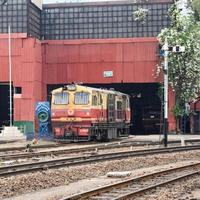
point(165, 128)
point(10, 72)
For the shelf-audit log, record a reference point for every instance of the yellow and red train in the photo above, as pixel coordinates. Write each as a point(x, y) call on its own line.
point(86, 113)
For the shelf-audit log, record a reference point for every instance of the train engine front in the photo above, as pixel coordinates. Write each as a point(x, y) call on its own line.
point(71, 112)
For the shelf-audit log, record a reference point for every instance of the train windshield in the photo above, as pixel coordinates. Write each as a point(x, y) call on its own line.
point(61, 98)
point(81, 98)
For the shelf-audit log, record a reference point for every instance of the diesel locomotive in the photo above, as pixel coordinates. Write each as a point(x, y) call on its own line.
point(81, 113)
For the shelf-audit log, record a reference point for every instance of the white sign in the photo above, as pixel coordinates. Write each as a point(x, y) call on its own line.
point(108, 74)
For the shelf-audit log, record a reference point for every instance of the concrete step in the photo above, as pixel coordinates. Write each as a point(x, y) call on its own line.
point(11, 132)
point(10, 129)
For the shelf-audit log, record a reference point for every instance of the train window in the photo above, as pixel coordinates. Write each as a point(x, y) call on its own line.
point(100, 99)
point(124, 103)
point(18, 90)
point(119, 105)
point(61, 98)
point(111, 107)
point(94, 100)
point(119, 110)
point(127, 103)
point(81, 98)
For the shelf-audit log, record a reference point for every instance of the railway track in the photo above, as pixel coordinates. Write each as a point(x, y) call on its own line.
point(78, 160)
point(21, 148)
point(33, 154)
point(63, 144)
point(20, 155)
point(138, 186)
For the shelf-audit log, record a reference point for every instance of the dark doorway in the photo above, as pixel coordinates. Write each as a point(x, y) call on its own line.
point(197, 122)
point(4, 104)
point(144, 100)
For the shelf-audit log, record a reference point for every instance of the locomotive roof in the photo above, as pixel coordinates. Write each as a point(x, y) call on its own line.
point(92, 89)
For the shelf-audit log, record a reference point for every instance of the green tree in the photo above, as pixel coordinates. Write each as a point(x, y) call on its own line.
point(196, 7)
point(184, 68)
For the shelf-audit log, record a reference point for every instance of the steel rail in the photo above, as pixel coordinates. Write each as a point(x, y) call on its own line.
point(74, 149)
point(101, 145)
point(60, 144)
point(109, 145)
point(139, 185)
point(93, 148)
point(78, 160)
point(67, 151)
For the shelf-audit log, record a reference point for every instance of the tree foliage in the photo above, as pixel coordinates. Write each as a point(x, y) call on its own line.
point(140, 15)
point(196, 7)
point(184, 68)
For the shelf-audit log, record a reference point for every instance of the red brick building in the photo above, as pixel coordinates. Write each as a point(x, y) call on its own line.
point(64, 43)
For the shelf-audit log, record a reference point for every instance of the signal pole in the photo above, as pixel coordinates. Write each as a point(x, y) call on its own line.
point(165, 125)
point(175, 49)
point(10, 72)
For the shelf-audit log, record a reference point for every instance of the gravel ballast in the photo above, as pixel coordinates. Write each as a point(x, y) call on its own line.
point(20, 184)
point(181, 190)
